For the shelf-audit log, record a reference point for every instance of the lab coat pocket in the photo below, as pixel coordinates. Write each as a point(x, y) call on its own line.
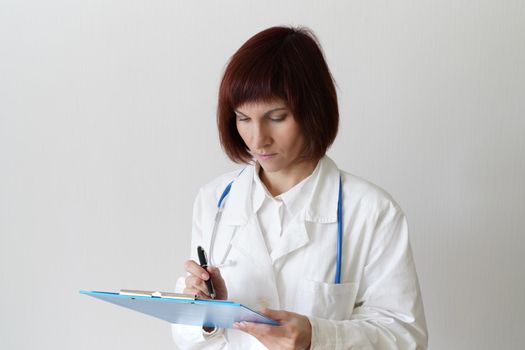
point(326, 300)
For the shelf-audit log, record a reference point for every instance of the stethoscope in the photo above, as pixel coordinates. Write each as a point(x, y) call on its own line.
point(218, 215)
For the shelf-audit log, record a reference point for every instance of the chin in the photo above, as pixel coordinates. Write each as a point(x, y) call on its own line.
point(271, 167)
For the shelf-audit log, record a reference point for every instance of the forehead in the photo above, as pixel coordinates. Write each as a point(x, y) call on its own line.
point(261, 106)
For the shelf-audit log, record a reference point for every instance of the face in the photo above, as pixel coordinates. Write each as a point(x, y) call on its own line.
point(271, 134)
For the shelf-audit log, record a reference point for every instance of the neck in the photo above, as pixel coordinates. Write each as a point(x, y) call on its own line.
point(281, 181)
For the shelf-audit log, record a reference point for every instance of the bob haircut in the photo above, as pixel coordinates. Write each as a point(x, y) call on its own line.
point(284, 63)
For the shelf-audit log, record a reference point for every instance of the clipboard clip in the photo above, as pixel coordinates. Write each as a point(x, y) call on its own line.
point(156, 294)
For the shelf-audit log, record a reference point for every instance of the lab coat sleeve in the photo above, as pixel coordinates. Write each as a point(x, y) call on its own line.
point(193, 337)
point(391, 312)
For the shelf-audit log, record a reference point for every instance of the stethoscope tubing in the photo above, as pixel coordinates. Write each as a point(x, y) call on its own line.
point(339, 256)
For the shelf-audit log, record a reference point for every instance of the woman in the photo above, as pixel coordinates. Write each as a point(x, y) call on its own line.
point(275, 243)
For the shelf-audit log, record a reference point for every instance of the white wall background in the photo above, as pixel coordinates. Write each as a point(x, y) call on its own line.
point(107, 130)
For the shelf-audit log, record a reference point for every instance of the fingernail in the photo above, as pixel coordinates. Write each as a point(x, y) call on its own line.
point(204, 276)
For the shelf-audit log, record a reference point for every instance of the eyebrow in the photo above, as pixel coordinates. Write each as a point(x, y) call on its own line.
point(265, 114)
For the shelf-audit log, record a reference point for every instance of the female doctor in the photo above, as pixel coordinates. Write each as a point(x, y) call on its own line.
point(323, 252)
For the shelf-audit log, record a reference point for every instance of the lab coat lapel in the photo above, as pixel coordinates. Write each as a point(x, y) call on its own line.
point(320, 208)
point(257, 273)
point(250, 242)
point(238, 211)
point(294, 237)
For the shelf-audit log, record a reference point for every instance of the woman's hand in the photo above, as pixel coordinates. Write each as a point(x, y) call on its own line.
point(195, 282)
point(295, 331)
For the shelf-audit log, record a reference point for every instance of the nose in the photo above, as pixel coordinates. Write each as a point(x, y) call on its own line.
point(260, 137)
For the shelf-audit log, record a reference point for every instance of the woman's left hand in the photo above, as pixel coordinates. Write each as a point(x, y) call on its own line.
point(295, 331)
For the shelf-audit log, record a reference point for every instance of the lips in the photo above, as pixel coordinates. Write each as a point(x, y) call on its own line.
point(265, 156)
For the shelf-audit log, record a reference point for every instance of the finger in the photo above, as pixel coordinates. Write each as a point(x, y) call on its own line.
point(195, 269)
point(258, 330)
point(216, 277)
point(219, 284)
point(196, 283)
point(214, 271)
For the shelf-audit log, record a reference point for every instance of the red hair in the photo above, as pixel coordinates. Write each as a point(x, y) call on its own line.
point(285, 63)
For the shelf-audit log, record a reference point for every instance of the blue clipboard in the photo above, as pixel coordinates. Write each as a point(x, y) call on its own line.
point(183, 309)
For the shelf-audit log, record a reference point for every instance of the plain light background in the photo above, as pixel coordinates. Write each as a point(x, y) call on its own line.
point(107, 130)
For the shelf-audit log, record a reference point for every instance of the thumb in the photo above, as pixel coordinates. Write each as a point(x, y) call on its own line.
point(278, 315)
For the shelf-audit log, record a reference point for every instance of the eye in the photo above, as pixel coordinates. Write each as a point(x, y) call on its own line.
point(241, 118)
point(278, 118)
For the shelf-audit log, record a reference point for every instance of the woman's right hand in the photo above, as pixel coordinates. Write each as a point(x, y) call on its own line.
point(196, 281)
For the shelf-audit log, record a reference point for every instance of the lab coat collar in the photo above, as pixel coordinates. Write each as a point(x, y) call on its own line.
point(238, 203)
point(259, 191)
point(321, 206)
point(295, 199)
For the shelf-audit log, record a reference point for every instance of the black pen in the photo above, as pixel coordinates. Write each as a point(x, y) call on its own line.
point(204, 265)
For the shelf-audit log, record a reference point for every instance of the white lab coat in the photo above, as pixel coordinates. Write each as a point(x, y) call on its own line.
point(378, 303)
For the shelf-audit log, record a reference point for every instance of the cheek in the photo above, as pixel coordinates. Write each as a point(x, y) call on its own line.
point(299, 144)
point(244, 134)
point(292, 139)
